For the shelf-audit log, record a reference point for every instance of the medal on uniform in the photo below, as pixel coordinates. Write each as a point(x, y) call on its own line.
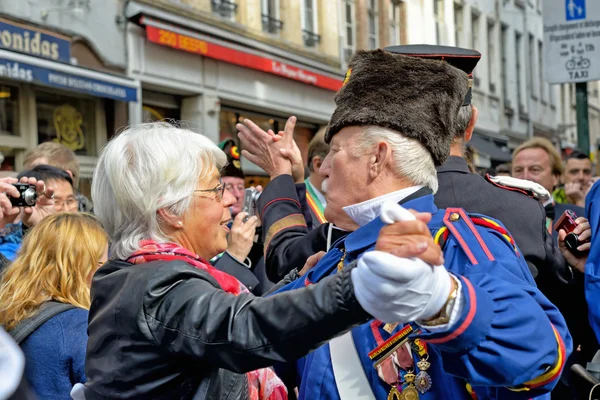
point(394, 394)
point(409, 392)
point(423, 379)
point(340, 265)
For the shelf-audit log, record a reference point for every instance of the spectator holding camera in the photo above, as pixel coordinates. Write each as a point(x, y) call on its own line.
point(59, 156)
point(19, 220)
point(243, 257)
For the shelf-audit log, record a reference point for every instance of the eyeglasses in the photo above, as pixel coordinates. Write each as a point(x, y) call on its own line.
point(67, 203)
point(218, 190)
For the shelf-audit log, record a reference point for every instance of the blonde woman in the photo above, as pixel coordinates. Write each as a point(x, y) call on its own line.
point(56, 263)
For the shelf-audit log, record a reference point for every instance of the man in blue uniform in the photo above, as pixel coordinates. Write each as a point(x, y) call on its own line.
point(497, 336)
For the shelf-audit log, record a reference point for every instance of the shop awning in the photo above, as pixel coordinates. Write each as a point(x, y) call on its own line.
point(490, 148)
point(24, 68)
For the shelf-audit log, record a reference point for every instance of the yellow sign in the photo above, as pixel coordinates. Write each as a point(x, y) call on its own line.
point(67, 122)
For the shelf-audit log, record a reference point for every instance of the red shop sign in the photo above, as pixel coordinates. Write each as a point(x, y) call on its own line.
point(192, 45)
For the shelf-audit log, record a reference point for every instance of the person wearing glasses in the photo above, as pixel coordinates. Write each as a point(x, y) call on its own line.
point(54, 268)
point(164, 323)
point(15, 225)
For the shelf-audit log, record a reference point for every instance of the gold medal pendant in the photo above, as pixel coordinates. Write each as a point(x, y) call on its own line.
point(394, 394)
point(340, 265)
point(410, 393)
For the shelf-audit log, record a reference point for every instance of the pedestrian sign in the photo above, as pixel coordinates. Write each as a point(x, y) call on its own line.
point(575, 9)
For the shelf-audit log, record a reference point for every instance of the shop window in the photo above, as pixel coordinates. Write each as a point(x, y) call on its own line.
point(154, 113)
point(68, 120)
point(230, 117)
point(7, 157)
point(9, 110)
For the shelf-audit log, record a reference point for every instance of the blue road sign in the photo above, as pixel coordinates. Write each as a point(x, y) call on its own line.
point(575, 9)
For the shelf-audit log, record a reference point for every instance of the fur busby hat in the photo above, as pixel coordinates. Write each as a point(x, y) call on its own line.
point(418, 98)
point(234, 165)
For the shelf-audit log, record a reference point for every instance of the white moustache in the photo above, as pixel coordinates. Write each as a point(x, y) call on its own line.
point(325, 185)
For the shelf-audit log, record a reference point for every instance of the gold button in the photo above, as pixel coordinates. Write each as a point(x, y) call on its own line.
point(454, 217)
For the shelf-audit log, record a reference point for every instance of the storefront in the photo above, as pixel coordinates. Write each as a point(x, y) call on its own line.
point(189, 72)
point(488, 151)
point(46, 94)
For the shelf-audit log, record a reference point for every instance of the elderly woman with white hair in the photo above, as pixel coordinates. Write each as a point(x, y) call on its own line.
point(163, 322)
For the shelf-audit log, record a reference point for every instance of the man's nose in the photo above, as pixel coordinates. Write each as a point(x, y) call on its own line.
point(229, 199)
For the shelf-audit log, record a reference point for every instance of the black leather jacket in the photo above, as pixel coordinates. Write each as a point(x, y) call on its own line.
point(165, 330)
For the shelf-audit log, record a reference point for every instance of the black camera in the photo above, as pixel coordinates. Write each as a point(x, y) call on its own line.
point(251, 196)
point(28, 195)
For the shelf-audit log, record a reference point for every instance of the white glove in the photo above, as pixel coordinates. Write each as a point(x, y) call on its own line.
point(394, 289)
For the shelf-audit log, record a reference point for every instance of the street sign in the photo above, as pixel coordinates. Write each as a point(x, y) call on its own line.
point(571, 40)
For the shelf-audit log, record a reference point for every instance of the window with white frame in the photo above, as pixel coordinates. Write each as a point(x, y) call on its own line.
point(349, 28)
point(225, 8)
point(394, 15)
point(373, 24)
point(532, 84)
point(504, 69)
point(438, 13)
point(518, 55)
point(458, 25)
point(491, 49)
point(309, 23)
point(475, 45)
point(270, 16)
point(542, 84)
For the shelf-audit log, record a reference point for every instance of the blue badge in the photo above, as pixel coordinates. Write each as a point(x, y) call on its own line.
point(575, 9)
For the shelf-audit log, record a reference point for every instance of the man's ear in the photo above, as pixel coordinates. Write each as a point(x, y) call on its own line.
point(377, 161)
point(316, 163)
point(169, 218)
point(471, 126)
point(70, 173)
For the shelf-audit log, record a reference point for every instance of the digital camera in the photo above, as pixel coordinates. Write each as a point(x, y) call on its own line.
point(28, 195)
point(251, 196)
point(567, 223)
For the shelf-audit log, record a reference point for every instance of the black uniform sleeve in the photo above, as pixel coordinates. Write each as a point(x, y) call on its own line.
point(287, 240)
point(240, 271)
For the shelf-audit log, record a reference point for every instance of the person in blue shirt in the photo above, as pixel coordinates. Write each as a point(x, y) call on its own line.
point(474, 325)
point(592, 263)
point(56, 263)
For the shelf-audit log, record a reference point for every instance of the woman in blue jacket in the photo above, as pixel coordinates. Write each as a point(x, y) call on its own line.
point(56, 263)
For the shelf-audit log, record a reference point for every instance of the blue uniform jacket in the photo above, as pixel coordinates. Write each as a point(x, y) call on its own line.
point(509, 342)
point(592, 267)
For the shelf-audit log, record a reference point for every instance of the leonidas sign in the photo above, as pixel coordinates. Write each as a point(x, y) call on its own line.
point(34, 42)
point(571, 40)
point(193, 45)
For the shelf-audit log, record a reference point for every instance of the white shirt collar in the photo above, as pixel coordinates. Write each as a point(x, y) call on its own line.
point(367, 211)
point(318, 193)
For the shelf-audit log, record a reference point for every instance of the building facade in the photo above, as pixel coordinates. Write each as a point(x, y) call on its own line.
point(62, 78)
point(213, 63)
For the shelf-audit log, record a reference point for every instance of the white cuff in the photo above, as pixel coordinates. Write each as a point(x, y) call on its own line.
point(457, 308)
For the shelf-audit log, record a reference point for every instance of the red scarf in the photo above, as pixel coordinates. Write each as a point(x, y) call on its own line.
point(263, 384)
point(152, 251)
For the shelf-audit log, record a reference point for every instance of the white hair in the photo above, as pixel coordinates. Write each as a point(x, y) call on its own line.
point(146, 168)
point(412, 160)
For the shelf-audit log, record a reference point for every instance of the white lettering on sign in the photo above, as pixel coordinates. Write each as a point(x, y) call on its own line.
point(14, 71)
point(571, 40)
point(72, 82)
point(293, 73)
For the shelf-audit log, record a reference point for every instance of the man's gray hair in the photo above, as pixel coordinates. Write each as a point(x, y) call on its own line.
point(462, 121)
point(146, 168)
point(412, 160)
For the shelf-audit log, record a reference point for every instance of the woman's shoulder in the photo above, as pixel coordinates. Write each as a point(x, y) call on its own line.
point(68, 327)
